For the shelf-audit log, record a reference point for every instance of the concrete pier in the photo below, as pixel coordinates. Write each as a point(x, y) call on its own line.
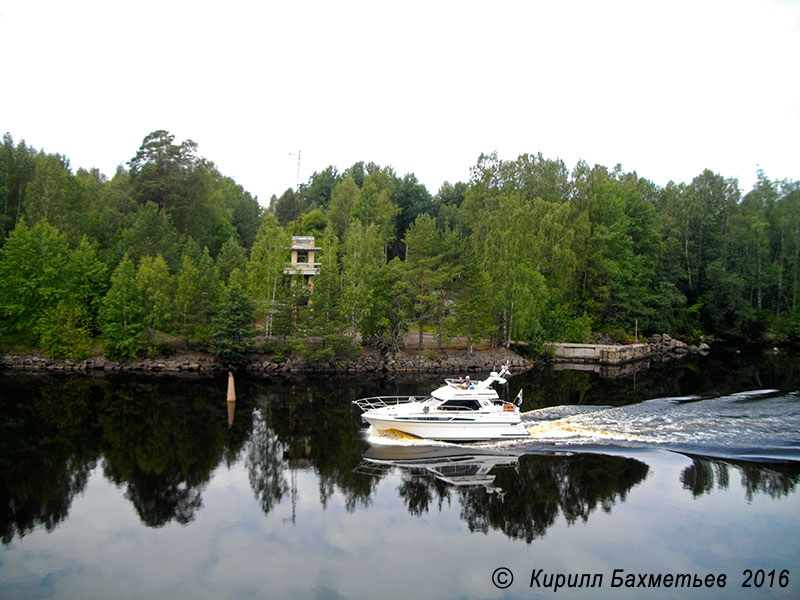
point(597, 353)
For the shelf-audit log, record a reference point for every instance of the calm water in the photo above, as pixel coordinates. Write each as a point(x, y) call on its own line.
point(126, 488)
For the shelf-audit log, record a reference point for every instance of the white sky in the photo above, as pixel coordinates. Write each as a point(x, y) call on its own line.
point(667, 89)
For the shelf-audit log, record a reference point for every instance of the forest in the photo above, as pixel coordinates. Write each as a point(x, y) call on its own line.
point(170, 254)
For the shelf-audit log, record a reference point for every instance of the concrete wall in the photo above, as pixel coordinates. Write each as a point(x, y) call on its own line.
point(598, 353)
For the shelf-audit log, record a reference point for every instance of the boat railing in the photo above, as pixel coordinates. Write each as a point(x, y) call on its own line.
point(381, 401)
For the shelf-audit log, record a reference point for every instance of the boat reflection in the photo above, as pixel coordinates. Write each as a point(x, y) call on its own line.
point(457, 467)
point(521, 495)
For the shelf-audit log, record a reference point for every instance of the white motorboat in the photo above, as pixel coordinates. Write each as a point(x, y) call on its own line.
point(459, 411)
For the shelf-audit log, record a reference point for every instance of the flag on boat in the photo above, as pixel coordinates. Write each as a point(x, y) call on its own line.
point(518, 399)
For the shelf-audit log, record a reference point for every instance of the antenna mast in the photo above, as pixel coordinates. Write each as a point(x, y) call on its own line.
point(296, 191)
point(297, 179)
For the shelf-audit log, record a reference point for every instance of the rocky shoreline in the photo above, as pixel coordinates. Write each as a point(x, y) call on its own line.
point(664, 347)
point(661, 347)
point(204, 364)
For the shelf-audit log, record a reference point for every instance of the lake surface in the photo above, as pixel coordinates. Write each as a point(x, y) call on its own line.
point(117, 487)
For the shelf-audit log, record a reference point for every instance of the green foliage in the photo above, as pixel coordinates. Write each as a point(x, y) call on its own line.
point(386, 319)
point(54, 195)
point(473, 291)
point(187, 295)
point(137, 308)
point(362, 259)
point(525, 250)
point(64, 332)
point(88, 280)
point(326, 314)
point(314, 223)
point(149, 234)
point(17, 164)
point(432, 269)
point(159, 171)
point(338, 347)
point(246, 210)
point(122, 315)
point(412, 199)
point(264, 270)
point(232, 332)
point(559, 324)
point(374, 206)
point(33, 275)
point(343, 198)
point(38, 270)
point(231, 256)
point(286, 208)
point(154, 292)
point(510, 256)
point(209, 288)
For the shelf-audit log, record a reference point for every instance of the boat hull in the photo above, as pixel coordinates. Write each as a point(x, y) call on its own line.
point(450, 431)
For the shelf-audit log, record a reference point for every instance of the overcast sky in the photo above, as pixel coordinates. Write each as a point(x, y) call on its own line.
point(666, 89)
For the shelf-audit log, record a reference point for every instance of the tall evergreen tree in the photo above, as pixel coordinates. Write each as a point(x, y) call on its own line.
point(423, 265)
point(232, 330)
point(122, 314)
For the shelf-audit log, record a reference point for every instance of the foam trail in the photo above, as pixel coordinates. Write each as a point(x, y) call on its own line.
point(752, 420)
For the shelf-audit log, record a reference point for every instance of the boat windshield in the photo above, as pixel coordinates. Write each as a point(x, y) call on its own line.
point(460, 404)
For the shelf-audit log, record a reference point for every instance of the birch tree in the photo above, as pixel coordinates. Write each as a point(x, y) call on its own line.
point(362, 257)
point(264, 272)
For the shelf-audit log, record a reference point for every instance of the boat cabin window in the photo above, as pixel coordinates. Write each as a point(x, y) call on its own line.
point(460, 405)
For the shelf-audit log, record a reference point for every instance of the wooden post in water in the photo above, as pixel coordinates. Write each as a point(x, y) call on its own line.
point(231, 390)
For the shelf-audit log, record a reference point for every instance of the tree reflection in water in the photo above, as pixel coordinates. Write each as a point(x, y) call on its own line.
point(161, 440)
point(162, 449)
point(773, 479)
point(47, 451)
point(520, 497)
point(264, 462)
point(548, 485)
point(157, 439)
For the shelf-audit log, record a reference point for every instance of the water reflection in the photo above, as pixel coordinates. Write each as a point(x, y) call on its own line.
point(157, 441)
point(706, 475)
point(605, 371)
point(522, 496)
point(265, 464)
point(743, 369)
point(231, 413)
point(456, 466)
point(548, 485)
point(160, 442)
point(47, 450)
point(161, 450)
